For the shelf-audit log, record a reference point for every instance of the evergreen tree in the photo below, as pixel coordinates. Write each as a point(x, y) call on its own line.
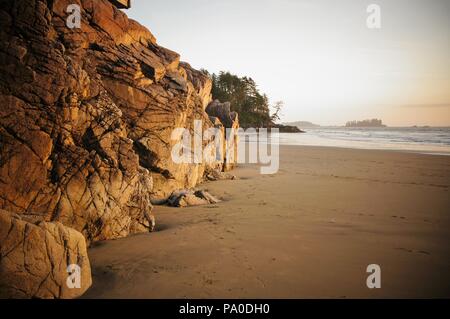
point(245, 98)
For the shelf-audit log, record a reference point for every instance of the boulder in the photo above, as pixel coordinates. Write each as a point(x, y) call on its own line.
point(35, 259)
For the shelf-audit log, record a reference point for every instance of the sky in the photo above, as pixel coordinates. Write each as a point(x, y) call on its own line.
point(319, 56)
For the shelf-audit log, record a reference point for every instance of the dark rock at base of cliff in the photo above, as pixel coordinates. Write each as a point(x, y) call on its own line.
point(288, 129)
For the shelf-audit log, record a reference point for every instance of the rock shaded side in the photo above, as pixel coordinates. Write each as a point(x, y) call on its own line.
point(228, 122)
point(223, 112)
point(34, 259)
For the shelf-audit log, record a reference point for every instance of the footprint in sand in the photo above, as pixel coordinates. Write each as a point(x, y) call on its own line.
point(401, 217)
point(424, 252)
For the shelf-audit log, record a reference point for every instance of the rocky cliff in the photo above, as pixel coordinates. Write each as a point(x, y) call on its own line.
point(87, 115)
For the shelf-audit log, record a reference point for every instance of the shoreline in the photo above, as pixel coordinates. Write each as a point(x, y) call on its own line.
point(371, 149)
point(308, 231)
point(432, 141)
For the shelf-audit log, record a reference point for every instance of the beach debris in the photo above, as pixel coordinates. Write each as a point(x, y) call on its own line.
point(185, 198)
point(216, 175)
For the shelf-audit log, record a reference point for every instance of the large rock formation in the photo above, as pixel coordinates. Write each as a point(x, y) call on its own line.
point(87, 116)
point(35, 259)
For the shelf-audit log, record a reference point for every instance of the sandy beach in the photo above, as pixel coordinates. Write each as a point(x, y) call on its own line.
point(308, 231)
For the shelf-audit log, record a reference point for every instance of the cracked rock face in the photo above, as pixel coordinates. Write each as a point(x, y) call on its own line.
point(87, 116)
point(34, 259)
point(86, 120)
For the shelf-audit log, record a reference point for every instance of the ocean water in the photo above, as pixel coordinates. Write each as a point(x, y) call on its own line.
point(430, 140)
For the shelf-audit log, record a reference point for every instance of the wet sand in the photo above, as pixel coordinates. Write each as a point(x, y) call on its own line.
point(308, 231)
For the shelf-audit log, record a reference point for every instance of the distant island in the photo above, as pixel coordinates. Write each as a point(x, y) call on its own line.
point(365, 123)
point(302, 124)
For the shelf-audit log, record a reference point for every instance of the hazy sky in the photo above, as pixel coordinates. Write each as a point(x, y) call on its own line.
point(318, 56)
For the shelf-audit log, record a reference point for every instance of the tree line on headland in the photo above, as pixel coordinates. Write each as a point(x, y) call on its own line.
point(253, 107)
